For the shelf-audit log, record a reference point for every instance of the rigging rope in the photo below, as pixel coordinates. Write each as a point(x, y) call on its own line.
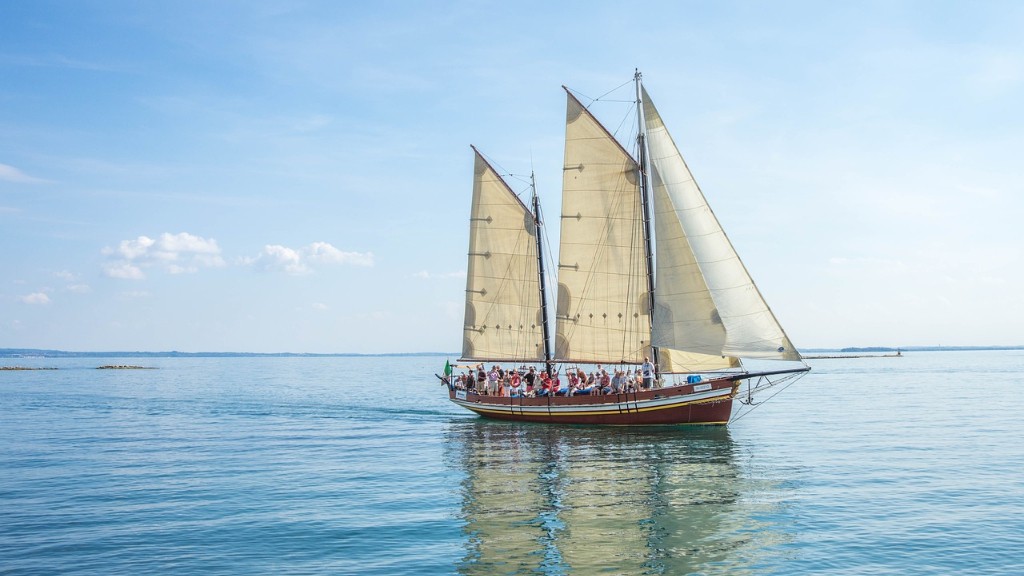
point(793, 378)
point(601, 97)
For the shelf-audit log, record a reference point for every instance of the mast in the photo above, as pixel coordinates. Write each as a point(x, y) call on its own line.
point(543, 282)
point(644, 199)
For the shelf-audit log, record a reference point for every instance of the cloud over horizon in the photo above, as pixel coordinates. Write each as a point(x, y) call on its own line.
point(297, 261)
point(35, 298)
point(174, 253)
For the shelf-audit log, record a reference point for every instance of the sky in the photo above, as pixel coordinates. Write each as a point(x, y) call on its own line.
point(285, 176)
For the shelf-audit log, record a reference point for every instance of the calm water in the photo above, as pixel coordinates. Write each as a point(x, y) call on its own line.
point(909, 465)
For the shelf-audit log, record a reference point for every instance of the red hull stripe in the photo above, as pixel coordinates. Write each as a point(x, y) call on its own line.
point(681, 405)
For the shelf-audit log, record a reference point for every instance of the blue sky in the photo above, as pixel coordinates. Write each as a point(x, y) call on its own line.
point(295, 176)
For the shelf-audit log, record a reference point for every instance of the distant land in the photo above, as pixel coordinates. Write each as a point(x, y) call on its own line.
point(39, 353)
point(910, 349)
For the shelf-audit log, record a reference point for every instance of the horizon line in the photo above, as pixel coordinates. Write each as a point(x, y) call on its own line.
point(8, 352)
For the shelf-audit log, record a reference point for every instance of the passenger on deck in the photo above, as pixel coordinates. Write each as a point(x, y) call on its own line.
point(647, 368)
point(617, 383)
point(492, 381)
point(633, 380)
point(572, 381)
point(558, 387)
point(545, 383)
point(531, 379)
point(481, 379)
point(515, 389)
point(606, 382)
point(594, 383)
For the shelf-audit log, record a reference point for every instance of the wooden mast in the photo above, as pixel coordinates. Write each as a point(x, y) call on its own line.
point(540, 269)
point(645, 201)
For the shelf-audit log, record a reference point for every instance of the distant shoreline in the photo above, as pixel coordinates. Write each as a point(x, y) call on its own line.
point(43, 353)
point(885, 349)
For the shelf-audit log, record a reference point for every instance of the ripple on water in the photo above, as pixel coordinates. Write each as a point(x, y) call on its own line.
point(231, 466)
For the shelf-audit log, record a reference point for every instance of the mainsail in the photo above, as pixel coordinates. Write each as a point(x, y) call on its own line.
point(706, 301)
point(503, 320)
point(603, 306)
point(602, 311)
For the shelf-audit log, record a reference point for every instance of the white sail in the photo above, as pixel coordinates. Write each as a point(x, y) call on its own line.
point(602, 311)
point(706, 300)
point(679, 362)
point(503, 312)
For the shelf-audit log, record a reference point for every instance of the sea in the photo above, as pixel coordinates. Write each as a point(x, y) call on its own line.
point(360, 465)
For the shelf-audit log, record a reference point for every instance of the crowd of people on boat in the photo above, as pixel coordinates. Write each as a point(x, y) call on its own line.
point(529, 382)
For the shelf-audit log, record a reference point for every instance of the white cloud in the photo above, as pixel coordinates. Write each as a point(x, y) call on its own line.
point(324, 252)
point(36, 298)
point(319, 306)
point(123, 270)
point(181, 253)
point(12, 174)
point(277, 257)
point(185, 242)
point(296, 261)
point(73, 285)
point(132, 249)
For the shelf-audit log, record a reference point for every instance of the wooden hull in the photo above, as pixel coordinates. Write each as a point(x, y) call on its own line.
point(707, 403)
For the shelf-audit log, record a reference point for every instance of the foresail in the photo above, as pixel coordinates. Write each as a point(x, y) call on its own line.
point(677, 273)
point(706, 300)
point(602, 308)
point(503, 314)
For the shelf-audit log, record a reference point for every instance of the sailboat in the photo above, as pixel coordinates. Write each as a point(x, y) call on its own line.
point(645, 277)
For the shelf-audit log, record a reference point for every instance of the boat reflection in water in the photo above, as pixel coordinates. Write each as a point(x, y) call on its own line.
point(555, 499)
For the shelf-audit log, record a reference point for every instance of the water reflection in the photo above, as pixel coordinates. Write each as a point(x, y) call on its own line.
point(551, 499)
